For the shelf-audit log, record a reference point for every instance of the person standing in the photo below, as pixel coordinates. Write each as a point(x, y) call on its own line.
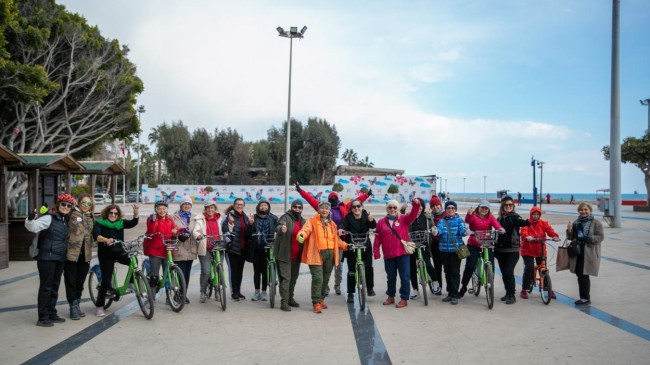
point(423, 222)
point(288, 252)
point(240, 227)
point(52, 239)
point(186, 251)
point(451, 230)
point(506, 249)
point(531, 250)
point(80, 245)
point(548, 198)
point(519, 198)
point(437, 213)
point(264, 223)
point(358, 221)
point(479, 220)
point(338, 212)
point(206, 224)
point(321, 252)
point(161, 227)
point(107, 230)
point(589, 234)
point(391, 230)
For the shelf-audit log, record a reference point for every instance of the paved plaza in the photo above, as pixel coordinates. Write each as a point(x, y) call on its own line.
point(615, 329)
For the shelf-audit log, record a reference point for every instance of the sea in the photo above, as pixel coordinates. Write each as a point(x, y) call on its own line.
point(589, 197)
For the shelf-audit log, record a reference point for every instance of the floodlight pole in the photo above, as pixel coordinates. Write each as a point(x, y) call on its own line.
point(137, 169)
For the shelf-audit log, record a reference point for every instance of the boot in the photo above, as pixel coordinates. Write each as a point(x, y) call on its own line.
point(285, 306)
point(153, 283)
point(81, 313)
point(74, 311)
point(293, 303)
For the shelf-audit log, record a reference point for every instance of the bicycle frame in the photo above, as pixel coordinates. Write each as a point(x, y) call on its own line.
point(271, 267)
point(541, 274)
point(484, 272)
point(359, 244)
point(421, 240)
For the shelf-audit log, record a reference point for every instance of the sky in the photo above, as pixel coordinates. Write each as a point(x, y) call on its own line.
point(459, 89)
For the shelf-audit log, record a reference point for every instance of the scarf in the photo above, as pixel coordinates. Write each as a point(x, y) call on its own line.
point(118, 225)
point(185, 217)
point(295, 216)
point(582, 224)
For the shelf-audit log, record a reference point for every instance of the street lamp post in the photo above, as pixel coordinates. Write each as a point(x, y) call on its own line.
point(464, 189)
point(291, 34)
point(646, 102)
point(446, 191)
point(541, 182)
point(137, 168)
point(484, 185)
point(532, 163)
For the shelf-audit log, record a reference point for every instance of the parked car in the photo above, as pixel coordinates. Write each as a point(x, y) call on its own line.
point(99, 199)
point(133, 195)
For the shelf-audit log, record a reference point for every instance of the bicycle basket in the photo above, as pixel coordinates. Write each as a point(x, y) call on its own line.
point(358, 239)
point(486, 238)
point(217, 244)
point(420, 238)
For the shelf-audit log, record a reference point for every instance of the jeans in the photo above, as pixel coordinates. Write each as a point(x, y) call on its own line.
point(507, 262)
point(186, 268)
point(235, 271)
point(338, 273)
point(451, 264)
point(320, 275)
point(205, 270)
point(74, 276)
point(49, 274)
point(401, 265)
point(529, 267)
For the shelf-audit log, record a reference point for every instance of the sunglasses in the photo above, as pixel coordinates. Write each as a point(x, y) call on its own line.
point(86, 204)
point(297, 207)
point(65, 205)
point(356, 207)
point(113, 213)
point(508, 205)
point(391, 208)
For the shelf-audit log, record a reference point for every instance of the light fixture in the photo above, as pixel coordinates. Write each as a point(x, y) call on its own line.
point(280, 30)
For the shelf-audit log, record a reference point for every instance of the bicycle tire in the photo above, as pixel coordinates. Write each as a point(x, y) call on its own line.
point(361, 286)
point(423, 281)
point(546, 288)
point(144, 295)
point(93, 286)
point(176, 288)
point(272, 283)
point(489, 284)
point(221, 290)
point(476, 280)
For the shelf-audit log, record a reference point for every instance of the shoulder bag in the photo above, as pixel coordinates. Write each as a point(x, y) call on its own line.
point(461, 249)
point(562, 260)
point(409, 247)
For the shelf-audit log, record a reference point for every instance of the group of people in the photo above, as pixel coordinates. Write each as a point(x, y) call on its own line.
point(66, 233)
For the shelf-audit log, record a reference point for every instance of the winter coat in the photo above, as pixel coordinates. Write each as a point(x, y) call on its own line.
point(539, 229)
point(314, 234)
point(186, 251)
point(52, 236)
point(361, 225)
point(255, 245)
point(509, 242)
point(155, 246)
point(117, 234)
point(241, 230)
point(591, 248)
point(284, 241)
point(456, 229)
point(342, 208)
point(476, 223)
point(201, 229)
point(385, 239)
point(80, 229)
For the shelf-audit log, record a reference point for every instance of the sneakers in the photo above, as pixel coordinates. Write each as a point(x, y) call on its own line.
point(415, 294)
point(293, 303)
point(447, 299)
point(371, 293)
point(463, 290)
point(454, 301)
point(511, 299)
point(504, 298)
point(99, 312)
point(437, 290)
point(263, 296)
point(241, 296)
point(317, 308)
point(74, 312)
point(77, 302)
point(235, 297)
point(322, 304)
point(389, 301)
point(553, 294)
point(56, 319)
point(337, 289)
point(523, 294)
point(203, 298)
point(45, 323)
point(402, 303)
point(582, 302)
point(257, 296)
point(350, 298)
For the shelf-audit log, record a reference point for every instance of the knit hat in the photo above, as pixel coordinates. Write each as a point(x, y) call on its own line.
point(296, 203)
point(484, 203)
point(333, 194)
point(209, 204)
point(451, 202)
point(506, 197)
point(393, 203)
point(186, 200)
point(325, 204)
point(435, 201)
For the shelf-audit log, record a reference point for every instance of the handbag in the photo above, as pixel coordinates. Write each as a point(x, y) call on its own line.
point(461, 249)
point(562, 259)
point(409, 246)
point(574, 249)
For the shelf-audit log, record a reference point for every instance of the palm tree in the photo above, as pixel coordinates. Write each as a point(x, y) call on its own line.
point(350, 157)
point(365, 162)
point(154, 138)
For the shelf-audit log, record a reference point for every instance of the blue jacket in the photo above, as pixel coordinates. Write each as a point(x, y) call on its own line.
point(457, 228)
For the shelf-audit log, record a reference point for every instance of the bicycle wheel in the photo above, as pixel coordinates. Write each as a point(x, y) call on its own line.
point(176, 288)
point(476, 280)
point(546, 288)
point(144, 295)
point(423, 281)
point(361, 286)
point(221, 290)
point(272, 283)
point(489, 284)
point(93, 285)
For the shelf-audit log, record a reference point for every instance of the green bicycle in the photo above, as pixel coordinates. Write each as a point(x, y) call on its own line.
point(271, 266)
point(173, 280)
point(358, 243)
point(421, 240)
point(217, 281)
point(135, 281)
point(484, 273)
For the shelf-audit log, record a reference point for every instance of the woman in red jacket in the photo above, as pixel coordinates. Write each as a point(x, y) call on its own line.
point(532, 250)
point(154, 247)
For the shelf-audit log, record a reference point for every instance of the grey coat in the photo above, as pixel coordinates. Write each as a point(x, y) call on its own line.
point(591, 249)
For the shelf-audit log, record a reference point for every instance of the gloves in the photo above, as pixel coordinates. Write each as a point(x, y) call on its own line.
point(298, 189)
point(152, 218)
point(369, 192)
point(43, 209)
point(300, 238)
point(32, 215)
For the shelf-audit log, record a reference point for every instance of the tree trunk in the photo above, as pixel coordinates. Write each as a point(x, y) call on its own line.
point(647, 186)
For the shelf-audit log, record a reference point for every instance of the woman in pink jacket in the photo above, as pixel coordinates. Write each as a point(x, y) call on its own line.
point(390, 231)
point(479, 220)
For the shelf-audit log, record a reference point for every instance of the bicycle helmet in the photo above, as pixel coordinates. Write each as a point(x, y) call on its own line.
point(162, 202)
point(65, 198)
point(183, 235)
